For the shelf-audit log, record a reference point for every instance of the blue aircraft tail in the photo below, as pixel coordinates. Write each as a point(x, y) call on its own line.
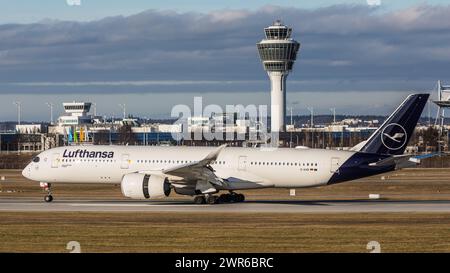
point(394, 134)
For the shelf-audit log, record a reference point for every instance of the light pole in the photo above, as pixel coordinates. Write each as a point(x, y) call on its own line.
point(19, 110)
point(292, 123)
point(95, 109)
point(50, 105)
point(123, 106)
point(333, 110)
point(311, 110)
point(292, 128)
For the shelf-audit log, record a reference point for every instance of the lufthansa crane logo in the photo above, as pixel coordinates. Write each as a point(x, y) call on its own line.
point(394, 136)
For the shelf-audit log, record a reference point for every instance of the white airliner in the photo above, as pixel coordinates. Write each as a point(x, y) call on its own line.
point(152, 172)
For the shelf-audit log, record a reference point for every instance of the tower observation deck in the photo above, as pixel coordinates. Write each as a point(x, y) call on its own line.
point(278, 52)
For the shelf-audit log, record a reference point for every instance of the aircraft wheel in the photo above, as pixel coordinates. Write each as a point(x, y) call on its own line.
point(48, 198)
point(234, 197)
point(240, 197)
point(212, 199)
point(224, 198)
point(199, 200)
point(220, 199)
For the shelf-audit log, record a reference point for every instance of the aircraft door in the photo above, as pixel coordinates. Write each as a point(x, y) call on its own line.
point(242, 164)
point(335, 164)
point(125, 163)
point(55, 160)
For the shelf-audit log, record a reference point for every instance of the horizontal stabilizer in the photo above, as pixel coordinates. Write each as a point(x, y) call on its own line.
point(400, 161)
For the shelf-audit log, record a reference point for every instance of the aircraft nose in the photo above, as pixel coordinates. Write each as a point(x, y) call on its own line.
point(27, 171)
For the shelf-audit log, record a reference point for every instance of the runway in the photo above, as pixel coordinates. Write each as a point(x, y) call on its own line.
point(260, 206)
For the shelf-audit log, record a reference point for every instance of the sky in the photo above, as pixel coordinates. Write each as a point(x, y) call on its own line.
point(151, 55)
point(30, 11)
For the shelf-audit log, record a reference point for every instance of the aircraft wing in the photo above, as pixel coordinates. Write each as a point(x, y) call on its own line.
point(198, 171)
point(400, 161)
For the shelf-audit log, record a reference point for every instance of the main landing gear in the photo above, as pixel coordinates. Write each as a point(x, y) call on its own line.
point(231, 197)
point(47, 187)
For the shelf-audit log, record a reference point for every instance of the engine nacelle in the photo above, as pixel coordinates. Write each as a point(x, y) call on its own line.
point(145, 186)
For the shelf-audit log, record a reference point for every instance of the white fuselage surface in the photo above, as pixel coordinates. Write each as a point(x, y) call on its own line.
point(258, 167)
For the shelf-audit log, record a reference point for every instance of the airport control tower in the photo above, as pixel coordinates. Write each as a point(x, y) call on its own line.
point(278, 52)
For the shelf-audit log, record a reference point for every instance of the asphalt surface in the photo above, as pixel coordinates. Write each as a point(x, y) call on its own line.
point(277, 206)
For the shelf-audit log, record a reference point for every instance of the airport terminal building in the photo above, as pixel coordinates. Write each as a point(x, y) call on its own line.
point(76, 126)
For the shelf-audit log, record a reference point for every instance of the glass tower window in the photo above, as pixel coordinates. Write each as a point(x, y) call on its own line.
point(278, 33)
point(279, 51)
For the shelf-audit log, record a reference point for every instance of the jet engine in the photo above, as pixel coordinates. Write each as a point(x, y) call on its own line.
point(144, 186)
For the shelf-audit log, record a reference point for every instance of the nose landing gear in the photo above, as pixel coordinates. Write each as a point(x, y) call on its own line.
point(47, 187)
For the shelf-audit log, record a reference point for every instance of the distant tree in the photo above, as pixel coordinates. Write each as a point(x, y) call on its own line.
point(431, 136)
point(101, 137)
point(126, 135)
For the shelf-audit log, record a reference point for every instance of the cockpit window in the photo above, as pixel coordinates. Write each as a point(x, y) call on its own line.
point(36, 159)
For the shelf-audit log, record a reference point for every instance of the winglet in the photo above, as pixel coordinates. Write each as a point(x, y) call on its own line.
point(213, 155)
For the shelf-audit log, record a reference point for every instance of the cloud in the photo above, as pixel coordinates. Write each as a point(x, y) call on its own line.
point(344, 47)
point(126, 83)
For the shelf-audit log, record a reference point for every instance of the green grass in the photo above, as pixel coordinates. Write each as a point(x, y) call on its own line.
point(206, 232)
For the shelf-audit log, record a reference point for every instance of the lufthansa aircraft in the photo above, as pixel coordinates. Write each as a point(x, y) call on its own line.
point(152, 172)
